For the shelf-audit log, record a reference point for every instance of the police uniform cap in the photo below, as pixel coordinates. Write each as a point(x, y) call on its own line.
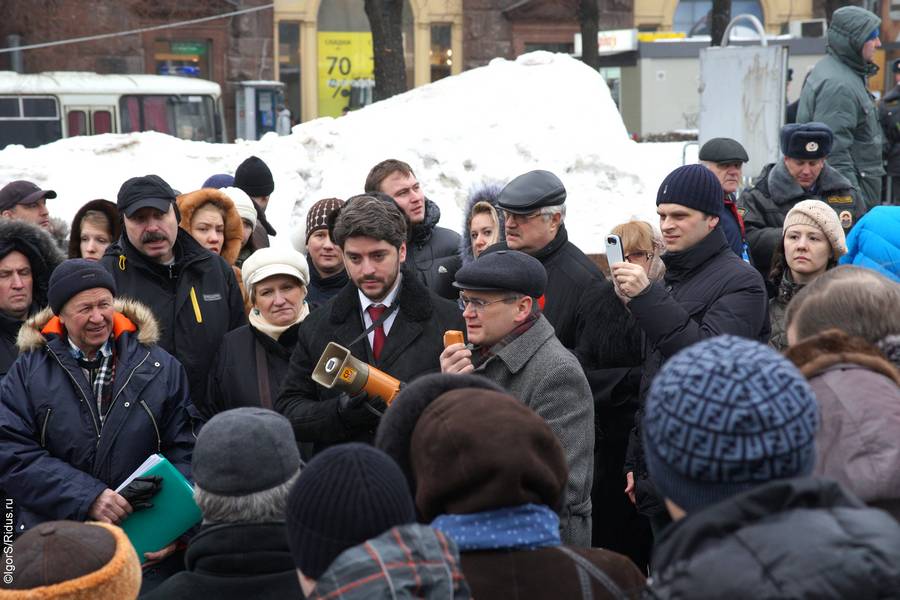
point(723, 150)
point(807, 141)
point(504, 270)
point(531, 191)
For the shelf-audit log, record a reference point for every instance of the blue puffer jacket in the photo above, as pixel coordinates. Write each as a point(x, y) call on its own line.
point(875, 242)
point(54, 457)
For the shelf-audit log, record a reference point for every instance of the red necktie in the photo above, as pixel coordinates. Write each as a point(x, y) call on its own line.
point(375, 313)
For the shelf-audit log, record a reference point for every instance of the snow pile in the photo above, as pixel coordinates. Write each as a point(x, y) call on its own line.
point(541, 111)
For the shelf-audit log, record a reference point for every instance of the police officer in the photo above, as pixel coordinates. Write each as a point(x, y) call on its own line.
point(801, 175)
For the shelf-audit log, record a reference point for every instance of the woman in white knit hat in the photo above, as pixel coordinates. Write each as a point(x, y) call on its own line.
point(253, 359)
point(812, 242)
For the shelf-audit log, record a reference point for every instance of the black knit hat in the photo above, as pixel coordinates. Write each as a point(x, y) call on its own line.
point(346, 495)
point(254, 177)
point(693, 186)
point(74, 276)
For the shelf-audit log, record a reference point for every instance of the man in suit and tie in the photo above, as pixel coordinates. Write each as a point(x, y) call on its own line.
point(384, 316)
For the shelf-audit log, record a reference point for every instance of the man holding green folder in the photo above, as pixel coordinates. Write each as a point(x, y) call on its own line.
point(89, 399)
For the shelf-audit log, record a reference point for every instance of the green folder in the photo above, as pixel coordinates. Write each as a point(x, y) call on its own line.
point(174, 510)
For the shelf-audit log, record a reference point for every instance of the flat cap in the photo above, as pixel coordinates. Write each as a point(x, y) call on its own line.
point(723, 150)
point(141, 192)
point(806, 140)
point(531, 191)
point(22, 192)
point(506, 270)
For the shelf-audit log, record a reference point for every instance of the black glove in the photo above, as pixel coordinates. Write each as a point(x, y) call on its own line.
point(141, 490)
point(360, 412)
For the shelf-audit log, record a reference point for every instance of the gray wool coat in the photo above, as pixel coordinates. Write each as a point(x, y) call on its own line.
point(539, 371)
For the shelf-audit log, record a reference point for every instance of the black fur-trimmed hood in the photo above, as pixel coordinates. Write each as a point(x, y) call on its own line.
point(485, 192)
point(40, 248)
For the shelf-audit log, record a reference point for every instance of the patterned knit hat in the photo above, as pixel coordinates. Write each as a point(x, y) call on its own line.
point(816, 213)
point(317, 217)
point(693, 186)
point(726, 415)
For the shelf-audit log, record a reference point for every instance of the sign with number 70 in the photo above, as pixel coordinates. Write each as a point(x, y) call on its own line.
point(345, 57)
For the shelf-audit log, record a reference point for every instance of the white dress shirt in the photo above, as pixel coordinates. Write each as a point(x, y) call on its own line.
point(365, 303)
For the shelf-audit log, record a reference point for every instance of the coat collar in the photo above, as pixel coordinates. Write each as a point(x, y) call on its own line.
point(235, 548)
point(680, 265)
point(819, 353)
point(555, 245)
point(517, 353)
point(415, 302)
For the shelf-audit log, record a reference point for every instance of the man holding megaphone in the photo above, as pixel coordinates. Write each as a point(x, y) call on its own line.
point(383, 318)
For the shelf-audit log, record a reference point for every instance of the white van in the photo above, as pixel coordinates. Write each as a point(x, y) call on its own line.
point(36, 109)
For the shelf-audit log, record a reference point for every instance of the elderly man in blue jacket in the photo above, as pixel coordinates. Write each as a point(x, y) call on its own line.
point(89, 399)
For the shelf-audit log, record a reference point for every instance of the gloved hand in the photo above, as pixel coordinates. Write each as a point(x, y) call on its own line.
point(360, 412)
point(141, 490)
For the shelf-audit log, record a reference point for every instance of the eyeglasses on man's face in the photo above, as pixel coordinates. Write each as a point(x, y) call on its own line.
point(478, 305)
point(519, 219)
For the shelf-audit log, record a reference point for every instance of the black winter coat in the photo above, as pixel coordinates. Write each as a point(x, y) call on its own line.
point(569, 274)
point(55, 458)
point(889, 115)
point(796, 538)
point(412, 348)
point(234, 378)
point(707, 292)
point(428, 245)
point(9, 329)
point(192, 332)
point(320, 289)
point(234, 560)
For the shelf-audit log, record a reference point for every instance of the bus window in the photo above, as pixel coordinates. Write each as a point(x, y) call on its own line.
point(29, 120)
point(187, 117)
point(77, 122)
point(102, 121)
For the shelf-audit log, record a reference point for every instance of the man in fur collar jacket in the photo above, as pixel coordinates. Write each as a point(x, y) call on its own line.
point(89, 399)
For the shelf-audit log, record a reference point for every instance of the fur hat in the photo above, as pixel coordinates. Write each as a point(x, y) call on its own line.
point(807, 141)
point(816, 213)
point(65, 560)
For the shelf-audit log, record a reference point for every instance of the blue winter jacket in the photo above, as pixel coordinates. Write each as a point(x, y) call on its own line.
point(55, 459)
point(875, 242)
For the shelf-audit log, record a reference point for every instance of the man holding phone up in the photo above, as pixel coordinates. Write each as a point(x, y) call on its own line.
point(513, 344)
point(707, 291)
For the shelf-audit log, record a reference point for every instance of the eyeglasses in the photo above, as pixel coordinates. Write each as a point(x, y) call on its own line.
point(519, 219)
point(630, 258)
point(478, 305)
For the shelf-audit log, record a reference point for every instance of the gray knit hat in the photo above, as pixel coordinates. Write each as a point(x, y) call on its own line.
point(726, 415)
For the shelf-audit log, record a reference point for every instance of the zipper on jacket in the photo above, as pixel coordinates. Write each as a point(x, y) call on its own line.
point(80, 391)
point(197, 314)
point(44, 428)
point(152, 420)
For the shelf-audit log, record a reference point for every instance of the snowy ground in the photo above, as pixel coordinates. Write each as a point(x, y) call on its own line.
point(541, 111)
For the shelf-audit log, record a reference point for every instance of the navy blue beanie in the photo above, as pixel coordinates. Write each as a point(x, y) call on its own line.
point(346, 495)
point(693, 186)
point(219, 181)
point(726, 415)
point(75, 276)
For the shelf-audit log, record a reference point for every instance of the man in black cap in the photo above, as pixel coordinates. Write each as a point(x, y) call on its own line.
point(802, 174)
point(25, 201)
point(534, 209)
point(27, 257)
point(192, 292)
point(255, 179)
point(513, 344)
point(889, 115)
point(726, 157)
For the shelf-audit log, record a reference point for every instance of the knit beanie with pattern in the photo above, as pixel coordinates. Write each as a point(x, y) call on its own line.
point(317, 217)
point(693, 186)
point(346, 495)
point(726, 415)
point(816, 213)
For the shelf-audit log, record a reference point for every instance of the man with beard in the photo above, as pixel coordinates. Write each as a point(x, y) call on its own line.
point(384, 316)
point(428, 243)
point(192, 292)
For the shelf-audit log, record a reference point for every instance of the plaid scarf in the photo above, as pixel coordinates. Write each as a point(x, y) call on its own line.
point(482, 354)
point(100, 373)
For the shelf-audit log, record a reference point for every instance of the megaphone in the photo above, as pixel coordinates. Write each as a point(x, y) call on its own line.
point(339, 369)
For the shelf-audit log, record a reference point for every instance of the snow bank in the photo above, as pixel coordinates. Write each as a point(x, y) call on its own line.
point(542, 110)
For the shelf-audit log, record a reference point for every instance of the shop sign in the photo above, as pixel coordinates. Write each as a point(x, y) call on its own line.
point(654, 36)
point(345, 62)
point(188, 47)
point(613, 41)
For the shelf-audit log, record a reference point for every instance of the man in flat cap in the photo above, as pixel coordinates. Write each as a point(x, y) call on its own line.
point(801, 175)
point(513, 344)
point(534, 210)
point(726, 157)
point(835, 93)
point(192, 292)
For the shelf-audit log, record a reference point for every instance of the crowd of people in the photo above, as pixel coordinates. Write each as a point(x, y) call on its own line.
point(715, 415)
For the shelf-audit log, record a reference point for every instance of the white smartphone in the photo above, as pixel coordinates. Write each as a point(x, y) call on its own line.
point(614, 253)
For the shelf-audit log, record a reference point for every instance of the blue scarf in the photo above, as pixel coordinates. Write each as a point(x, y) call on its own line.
point(525, 527)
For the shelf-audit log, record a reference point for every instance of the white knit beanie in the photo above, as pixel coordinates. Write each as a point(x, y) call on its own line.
point(816, 213)
point(242, 203)
point(266, 262)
